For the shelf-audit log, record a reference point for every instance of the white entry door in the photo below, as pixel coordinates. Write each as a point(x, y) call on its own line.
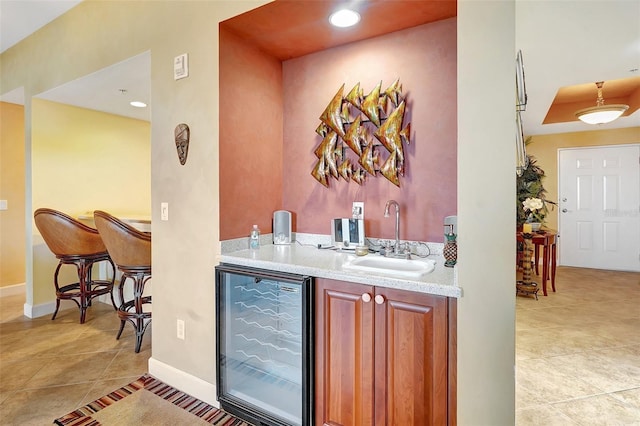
point(599, 218)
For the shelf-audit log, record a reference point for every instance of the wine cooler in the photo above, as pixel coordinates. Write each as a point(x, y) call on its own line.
point(265, 360)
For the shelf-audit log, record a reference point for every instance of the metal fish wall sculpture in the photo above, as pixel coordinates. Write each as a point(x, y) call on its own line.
point(353, 127)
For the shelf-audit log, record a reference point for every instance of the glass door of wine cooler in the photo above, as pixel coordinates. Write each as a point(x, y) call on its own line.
point(264, 360)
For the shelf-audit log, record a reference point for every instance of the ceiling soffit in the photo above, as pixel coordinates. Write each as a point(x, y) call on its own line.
point(570, 99)
point(288, 29)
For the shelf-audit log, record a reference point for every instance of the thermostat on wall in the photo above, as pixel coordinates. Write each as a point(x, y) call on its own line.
point(181, 66)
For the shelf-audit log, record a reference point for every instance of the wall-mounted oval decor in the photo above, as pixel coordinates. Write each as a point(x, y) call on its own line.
point(354, 127)
point(182, 134)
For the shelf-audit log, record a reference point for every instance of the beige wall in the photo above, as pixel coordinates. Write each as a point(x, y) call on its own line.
point(486, 188)
point(545, 150)
point(84, 160)
point(12, 226)
point(78, 166)
point(98, 33)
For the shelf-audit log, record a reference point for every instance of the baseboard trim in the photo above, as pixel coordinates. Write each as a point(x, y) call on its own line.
point(13, 290)
point(48, 308)
point(184, 382)
point(36, 311)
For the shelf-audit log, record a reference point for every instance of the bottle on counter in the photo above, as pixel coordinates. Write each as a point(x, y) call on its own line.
point(254, 238)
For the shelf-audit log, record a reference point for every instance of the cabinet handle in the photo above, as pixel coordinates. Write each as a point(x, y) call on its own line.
point(366, 297)
point(379, 299)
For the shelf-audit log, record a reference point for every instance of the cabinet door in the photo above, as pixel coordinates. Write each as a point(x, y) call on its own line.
point(410, 358)
point(344, 353)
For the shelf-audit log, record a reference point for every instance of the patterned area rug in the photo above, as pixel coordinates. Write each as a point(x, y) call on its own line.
point(90, 414)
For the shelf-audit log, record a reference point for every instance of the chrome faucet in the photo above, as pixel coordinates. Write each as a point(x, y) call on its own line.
point(396, 249)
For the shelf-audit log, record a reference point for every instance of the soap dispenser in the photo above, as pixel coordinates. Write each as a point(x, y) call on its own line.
point(450, 248)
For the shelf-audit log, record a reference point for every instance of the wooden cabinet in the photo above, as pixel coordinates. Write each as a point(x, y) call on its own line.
point(383, 356)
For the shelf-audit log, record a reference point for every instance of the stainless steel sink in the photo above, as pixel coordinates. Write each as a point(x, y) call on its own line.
point(395, 267)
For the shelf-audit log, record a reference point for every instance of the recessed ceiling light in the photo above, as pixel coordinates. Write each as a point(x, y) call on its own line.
point(138, 104)
point(344, 18)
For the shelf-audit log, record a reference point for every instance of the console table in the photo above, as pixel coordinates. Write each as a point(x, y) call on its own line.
point(547, 239)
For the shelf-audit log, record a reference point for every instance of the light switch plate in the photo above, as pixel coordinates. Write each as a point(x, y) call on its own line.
point(4, 205)
point(164, 211)
point(180, 329)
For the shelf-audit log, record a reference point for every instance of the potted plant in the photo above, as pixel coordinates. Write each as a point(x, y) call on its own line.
point(531, 202)
point(535, 210)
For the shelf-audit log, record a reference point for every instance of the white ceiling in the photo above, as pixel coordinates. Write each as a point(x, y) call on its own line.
point(20, 18)
point(101, 90)
point(566, 43)
point(563, 43)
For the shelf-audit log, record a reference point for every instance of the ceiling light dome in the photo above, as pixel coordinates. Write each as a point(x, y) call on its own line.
point(601, 113)
point(344, 18)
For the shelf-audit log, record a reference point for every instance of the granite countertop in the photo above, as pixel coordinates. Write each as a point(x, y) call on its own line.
point(322, 263)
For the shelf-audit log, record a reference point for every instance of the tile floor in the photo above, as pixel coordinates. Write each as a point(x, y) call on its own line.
point(578, 351)
point(49, 368)
point(577, 355)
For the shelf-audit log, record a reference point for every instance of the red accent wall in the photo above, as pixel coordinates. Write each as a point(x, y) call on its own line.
point(424, 59)
point(254, 183)
point(250, 137)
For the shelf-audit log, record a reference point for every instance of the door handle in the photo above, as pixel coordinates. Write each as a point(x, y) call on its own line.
point(366, 297)
point(564, 210)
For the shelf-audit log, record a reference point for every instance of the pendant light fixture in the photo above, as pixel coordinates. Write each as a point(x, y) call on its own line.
point(601, 113)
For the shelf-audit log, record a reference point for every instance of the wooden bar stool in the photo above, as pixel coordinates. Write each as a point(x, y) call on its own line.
point(130, 249)
point(74, 243)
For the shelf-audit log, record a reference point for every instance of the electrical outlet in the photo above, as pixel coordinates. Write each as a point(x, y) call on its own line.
point(357, 211)
point(180, 329)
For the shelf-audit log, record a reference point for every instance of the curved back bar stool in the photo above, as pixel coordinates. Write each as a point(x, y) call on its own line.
point(130, 249)
point(74, 243)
